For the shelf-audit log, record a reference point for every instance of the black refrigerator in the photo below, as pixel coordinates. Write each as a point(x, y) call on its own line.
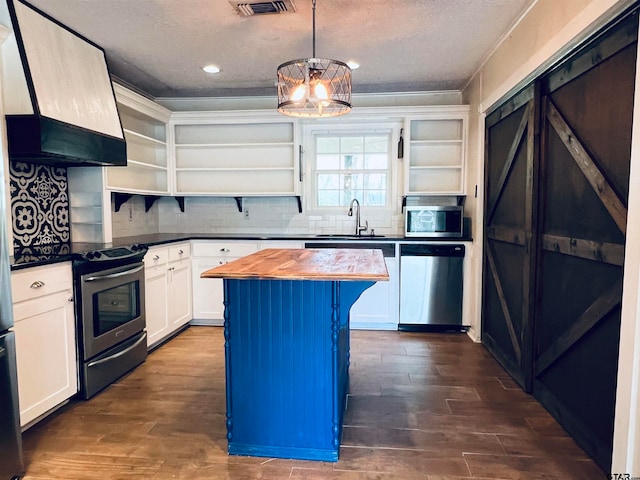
point(11, 465)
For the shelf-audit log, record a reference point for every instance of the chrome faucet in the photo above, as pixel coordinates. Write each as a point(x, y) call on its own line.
point(359, 228)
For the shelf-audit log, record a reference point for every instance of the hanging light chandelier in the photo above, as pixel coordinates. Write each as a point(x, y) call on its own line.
point(314, 87)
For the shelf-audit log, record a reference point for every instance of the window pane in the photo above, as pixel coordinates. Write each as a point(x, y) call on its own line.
point(328, 145)
point(328, 162)
point(351, 144)
point(376, 161)
point(351, 181)
point(352, 162)
point(346, 197)
point(326, 181)
point(375, 180)
point(376, 144)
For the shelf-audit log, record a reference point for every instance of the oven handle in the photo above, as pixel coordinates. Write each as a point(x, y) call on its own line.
point(113, 275)
point(143, 338)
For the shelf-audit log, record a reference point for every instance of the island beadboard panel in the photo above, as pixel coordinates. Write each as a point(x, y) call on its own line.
point(286, 325)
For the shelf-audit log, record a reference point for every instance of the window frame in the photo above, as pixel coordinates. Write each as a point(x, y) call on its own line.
point(310, 134)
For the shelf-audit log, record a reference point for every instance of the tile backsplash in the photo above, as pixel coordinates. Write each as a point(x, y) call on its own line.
point(275, 215)
point(40, 213)
point(39, 205)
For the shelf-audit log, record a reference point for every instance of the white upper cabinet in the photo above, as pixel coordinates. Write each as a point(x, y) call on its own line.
point(235, 155)
point(145, 128)
point(435, 153)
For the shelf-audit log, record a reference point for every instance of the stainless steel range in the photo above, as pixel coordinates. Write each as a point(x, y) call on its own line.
point(110, 313)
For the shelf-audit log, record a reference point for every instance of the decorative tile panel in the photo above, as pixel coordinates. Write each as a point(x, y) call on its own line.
point(39, 205)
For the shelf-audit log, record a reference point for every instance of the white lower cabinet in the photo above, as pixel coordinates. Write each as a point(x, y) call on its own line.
point(179, 285)
point(208, 293)
point(167, 290)
point(264, 244)
point(45, 338)
point(378, 306)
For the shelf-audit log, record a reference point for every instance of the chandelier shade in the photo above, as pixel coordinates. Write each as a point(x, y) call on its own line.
point(314, 87)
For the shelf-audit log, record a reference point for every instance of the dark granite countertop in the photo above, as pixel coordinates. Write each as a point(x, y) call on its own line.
point(56, 253)
point(160, 238)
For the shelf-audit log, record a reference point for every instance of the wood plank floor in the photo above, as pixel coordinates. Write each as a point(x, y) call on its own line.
point(422, 406)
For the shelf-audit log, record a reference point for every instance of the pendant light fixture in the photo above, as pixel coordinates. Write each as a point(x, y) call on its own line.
point(314, 87)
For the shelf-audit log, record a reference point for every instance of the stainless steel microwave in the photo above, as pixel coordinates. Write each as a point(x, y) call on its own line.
point(434, 221)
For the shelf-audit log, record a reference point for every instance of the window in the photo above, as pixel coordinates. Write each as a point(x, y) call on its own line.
point(352, 165)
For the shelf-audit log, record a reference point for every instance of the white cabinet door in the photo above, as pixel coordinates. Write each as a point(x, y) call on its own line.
point(208, 293)
point(378, 307)
point(167, 290)
point(156, 304)
point(179, 293)
point(45, 353)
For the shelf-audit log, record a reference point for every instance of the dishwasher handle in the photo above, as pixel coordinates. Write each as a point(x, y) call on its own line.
point(431, 250)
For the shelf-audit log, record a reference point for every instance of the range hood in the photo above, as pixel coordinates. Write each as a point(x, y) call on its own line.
point(59, 101)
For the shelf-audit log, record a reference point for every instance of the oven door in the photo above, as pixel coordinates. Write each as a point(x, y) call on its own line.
point(112, 307)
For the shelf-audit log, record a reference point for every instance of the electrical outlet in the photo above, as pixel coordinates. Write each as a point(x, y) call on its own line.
point(246, 213)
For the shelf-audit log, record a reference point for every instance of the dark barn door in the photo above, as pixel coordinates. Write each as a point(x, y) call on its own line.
point(509, 232)
point(587, 108)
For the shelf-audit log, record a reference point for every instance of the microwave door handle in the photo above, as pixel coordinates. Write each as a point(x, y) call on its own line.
point(113, 275)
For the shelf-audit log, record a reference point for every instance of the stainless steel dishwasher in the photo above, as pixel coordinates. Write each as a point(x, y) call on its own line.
point(431, 287)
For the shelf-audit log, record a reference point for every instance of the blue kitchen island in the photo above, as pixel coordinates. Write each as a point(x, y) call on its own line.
point(287, 347)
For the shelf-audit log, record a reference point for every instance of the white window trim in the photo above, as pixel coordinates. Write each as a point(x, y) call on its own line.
point(395, 170)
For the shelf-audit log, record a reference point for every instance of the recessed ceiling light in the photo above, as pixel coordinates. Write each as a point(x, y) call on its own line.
point(211, 69)
point(353, 65)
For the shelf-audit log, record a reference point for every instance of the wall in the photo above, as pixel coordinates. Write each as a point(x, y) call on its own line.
point(550, 30)
point(132, 219)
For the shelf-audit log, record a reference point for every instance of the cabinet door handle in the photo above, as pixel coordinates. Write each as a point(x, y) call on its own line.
point(70, 299)
point(156, 257)
point(300, 172)
point(226, 250)
point(37, 284)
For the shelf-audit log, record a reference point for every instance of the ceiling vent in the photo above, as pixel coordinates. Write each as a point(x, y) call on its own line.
point(248, 9)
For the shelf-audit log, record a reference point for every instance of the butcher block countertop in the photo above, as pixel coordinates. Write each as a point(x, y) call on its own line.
point(306, 264)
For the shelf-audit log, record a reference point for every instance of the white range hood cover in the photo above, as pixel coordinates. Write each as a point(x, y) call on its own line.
point(69, 74)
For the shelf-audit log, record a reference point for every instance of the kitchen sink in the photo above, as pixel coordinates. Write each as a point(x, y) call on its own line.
point(346, 235)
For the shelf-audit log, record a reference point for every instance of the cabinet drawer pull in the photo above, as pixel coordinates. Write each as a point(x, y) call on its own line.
point(225, 250)
point(37, 284)
point(156, 257)
point(180, 252)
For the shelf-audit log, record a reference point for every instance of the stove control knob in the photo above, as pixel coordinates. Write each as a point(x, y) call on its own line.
point(90, 255)
point(98, 254)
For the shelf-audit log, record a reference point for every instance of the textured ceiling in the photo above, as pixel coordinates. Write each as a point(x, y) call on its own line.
point(159, 46)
